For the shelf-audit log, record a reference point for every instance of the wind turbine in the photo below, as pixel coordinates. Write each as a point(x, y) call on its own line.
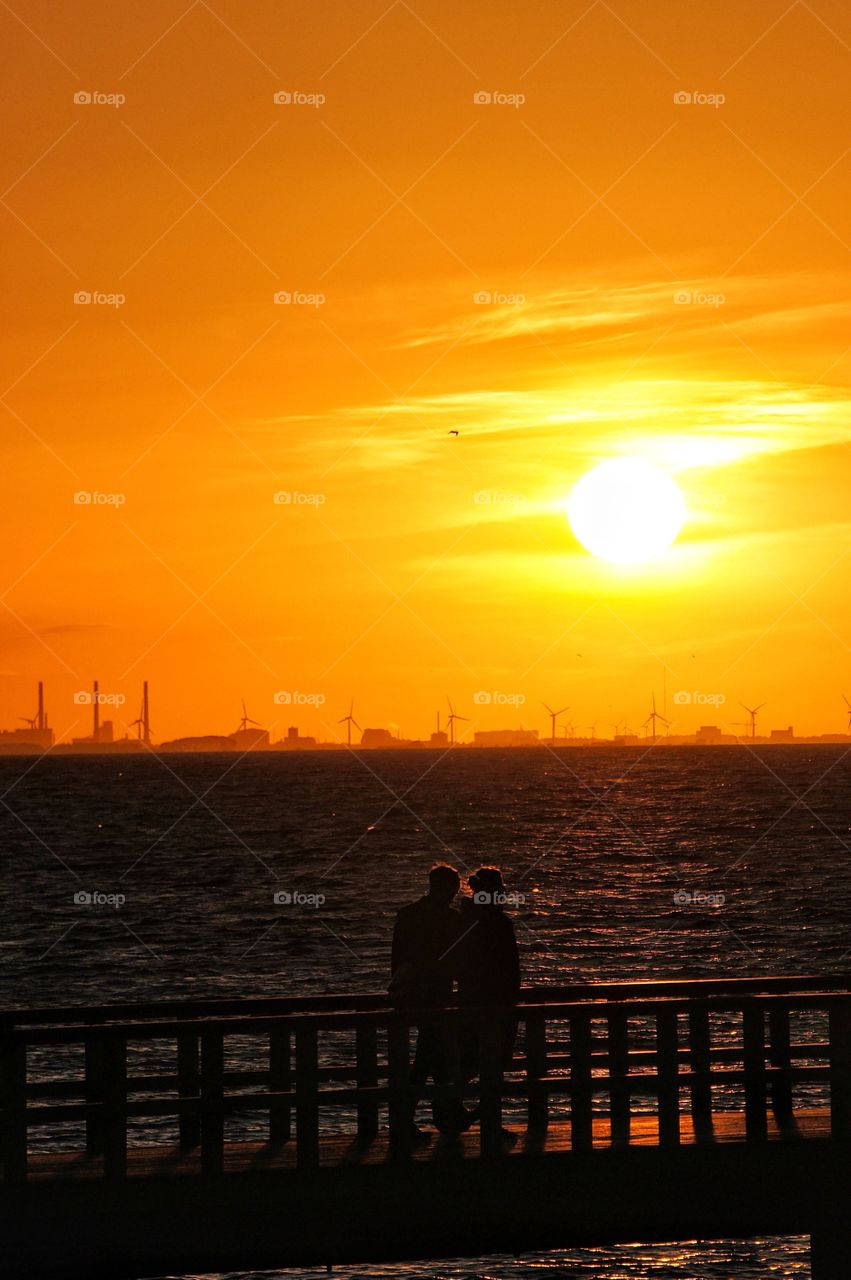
point(848, 705)
point(348, 721)
point(653, 717)
point(552, 714)
point(752, 716)
point(450, 720)
point(138, 724)
point(246, 719)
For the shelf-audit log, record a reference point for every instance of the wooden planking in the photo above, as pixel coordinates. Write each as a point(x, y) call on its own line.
point(339, 1150)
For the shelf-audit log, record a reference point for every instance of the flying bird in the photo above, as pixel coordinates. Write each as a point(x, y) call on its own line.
point(453, 432)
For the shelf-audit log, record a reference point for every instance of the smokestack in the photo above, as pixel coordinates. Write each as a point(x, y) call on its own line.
point(146, 723)
point(96, 714)
point(40, 722)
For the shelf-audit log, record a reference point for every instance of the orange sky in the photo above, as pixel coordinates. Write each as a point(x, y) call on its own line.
point(430, 564)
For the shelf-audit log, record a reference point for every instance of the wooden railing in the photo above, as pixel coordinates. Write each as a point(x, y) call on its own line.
point(297, 1069)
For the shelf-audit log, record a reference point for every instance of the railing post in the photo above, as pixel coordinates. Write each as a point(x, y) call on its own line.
point(13, 1069)
point(536, 1069)
point(212, 1102)
point(780, 1057)
point(307, 1097)
point(490, 1084)
point(830, 1249)
point(619, 1102)
point(366, 1053)
point(840, 1069)
point(400, 1102)
point(188, 1090)
point(753, 1052)
point(667, 1071)
point(94, 1051)
point(581, 1119)
point(700, 1063)
point(115, 1107)
point(280, 1080)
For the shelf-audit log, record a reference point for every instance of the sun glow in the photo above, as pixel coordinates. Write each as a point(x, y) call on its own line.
point(626, 511)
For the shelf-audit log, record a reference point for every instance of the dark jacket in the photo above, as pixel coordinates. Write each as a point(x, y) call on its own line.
point(487, 960)
point(422, 962)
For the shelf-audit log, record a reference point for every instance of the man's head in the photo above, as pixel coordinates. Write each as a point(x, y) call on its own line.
point(443, 882)
point(487, 886)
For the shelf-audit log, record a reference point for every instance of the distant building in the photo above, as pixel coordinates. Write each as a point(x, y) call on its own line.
point(207, 742)
point(439, 739)
point(295, 742)
point(506, 738)
point(708, 734)
point(377, 738)
point(102, 736)
point(41, 738)
point(627, 740)
point(783, 735)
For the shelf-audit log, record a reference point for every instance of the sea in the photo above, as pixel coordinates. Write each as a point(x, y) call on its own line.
point(155, 877)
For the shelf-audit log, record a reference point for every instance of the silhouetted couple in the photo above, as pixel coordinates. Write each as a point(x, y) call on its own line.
point(436, 946)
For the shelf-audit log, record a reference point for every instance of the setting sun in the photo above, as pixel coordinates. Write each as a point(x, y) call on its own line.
point(626, 511)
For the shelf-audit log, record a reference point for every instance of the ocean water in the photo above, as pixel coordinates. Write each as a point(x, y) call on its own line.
point(629, 864)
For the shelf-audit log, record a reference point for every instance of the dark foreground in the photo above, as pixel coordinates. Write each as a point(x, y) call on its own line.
point(629, 1112)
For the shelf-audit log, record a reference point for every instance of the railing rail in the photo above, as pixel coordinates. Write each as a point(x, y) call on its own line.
point(605, 1049)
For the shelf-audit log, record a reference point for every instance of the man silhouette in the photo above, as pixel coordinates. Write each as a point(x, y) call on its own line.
point(424, 937)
